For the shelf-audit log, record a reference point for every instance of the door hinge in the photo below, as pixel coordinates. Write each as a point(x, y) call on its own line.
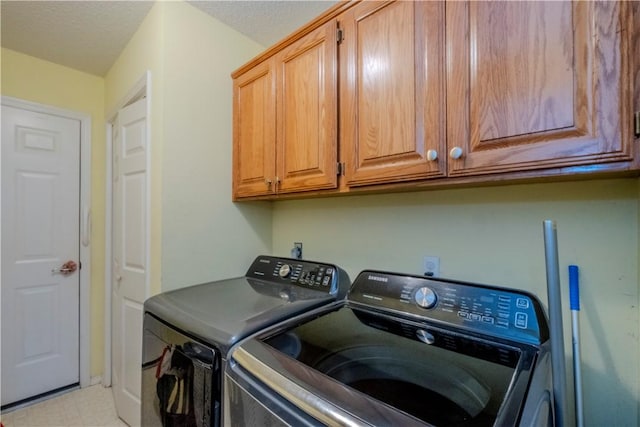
point(341, 168)
point(636, 124)
point(339, 35)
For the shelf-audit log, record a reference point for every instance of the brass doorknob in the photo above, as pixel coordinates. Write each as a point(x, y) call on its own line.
point(65, 269)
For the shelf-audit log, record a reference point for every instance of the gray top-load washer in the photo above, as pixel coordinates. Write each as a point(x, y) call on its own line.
point(188, 332)
point(400, 350)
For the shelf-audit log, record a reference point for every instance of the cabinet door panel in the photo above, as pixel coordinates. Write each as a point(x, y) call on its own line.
point(254, 132)
point(307, 112)
point(392, 91)
point(535, 85)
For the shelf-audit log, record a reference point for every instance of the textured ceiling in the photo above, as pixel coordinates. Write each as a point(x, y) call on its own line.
point(265, 22)
point(89, 35)
point(85, 35)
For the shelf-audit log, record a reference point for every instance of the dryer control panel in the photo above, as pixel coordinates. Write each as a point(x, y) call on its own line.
point(288, 271)
point(500, 312)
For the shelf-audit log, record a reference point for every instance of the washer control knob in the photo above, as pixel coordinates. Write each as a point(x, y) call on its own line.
point(425, 297)
point(425, 336)
point(284, 271)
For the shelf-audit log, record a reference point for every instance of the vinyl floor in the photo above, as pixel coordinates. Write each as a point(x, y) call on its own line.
point(88, 407)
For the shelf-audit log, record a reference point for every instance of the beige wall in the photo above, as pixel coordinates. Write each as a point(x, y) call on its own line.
point(35, 80)
point(198, 234)
point(494, 235)
point(205, 235)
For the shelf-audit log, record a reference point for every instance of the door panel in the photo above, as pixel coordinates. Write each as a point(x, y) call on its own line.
point(129, 288)
point(40, 232)
point(254, 130)
point(392, 91)
point(307, 112)
point(528, 85)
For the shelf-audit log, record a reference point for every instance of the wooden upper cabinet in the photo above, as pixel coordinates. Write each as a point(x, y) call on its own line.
point(536, 85)
point(464, 91)
point(392, 92)
point(254, 131)
point(307, 112)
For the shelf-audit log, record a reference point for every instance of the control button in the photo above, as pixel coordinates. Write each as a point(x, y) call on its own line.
point(463, 314)
point(503, 315)
point(425, 297)
point(487, 319)
point(522, 303)
point(325, 281)
point(503, 306)
point(474, 316)
point(425, 336)
point(284, 271)
point(521, 320)
point(503, 323)
point(504, 298)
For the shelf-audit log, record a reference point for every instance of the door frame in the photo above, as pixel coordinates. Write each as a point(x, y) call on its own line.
point(85, 223)
point(141, 89)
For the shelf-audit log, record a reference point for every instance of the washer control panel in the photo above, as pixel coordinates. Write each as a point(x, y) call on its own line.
point(307, 274)
point(507, 313)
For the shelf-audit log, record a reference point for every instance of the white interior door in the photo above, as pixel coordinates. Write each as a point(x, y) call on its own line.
point(40, 232)
point(129, 242)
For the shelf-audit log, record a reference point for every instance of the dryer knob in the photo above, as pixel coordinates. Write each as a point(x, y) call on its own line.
point(425, 297)
point(284, 271)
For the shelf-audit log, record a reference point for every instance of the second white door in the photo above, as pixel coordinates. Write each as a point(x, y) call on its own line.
point(129, 241)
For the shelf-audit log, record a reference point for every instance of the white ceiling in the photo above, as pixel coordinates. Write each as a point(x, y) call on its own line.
point(89, 35)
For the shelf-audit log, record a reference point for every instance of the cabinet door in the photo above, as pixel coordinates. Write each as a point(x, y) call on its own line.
point(392, 91)
point(536, 85)
point(254, 131)
point(307, 147)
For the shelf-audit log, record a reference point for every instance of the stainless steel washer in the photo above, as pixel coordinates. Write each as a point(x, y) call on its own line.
point(188, 332)
point(400, 350)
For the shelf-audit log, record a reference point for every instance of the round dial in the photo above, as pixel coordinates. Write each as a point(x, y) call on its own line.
point(425, 297)
point(284, 271)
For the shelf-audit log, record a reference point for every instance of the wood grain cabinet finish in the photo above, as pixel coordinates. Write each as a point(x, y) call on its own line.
point(307, 112)
point(254, 131)
point(536, 85)
point(286, 119)
point(463, 92)
point(392, 92)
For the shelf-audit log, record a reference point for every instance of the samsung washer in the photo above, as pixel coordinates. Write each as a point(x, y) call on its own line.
point(188, 332)
point(401, 350)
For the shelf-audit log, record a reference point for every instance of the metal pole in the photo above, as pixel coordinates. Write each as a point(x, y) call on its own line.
point(555, 321)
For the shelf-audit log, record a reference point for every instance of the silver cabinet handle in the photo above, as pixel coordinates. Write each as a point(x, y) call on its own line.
point(455, 153)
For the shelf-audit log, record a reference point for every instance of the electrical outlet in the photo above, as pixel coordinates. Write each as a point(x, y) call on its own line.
point(296, 251)
point(431, 266)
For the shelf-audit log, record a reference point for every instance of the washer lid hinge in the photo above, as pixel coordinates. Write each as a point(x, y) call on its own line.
point(636, 124)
